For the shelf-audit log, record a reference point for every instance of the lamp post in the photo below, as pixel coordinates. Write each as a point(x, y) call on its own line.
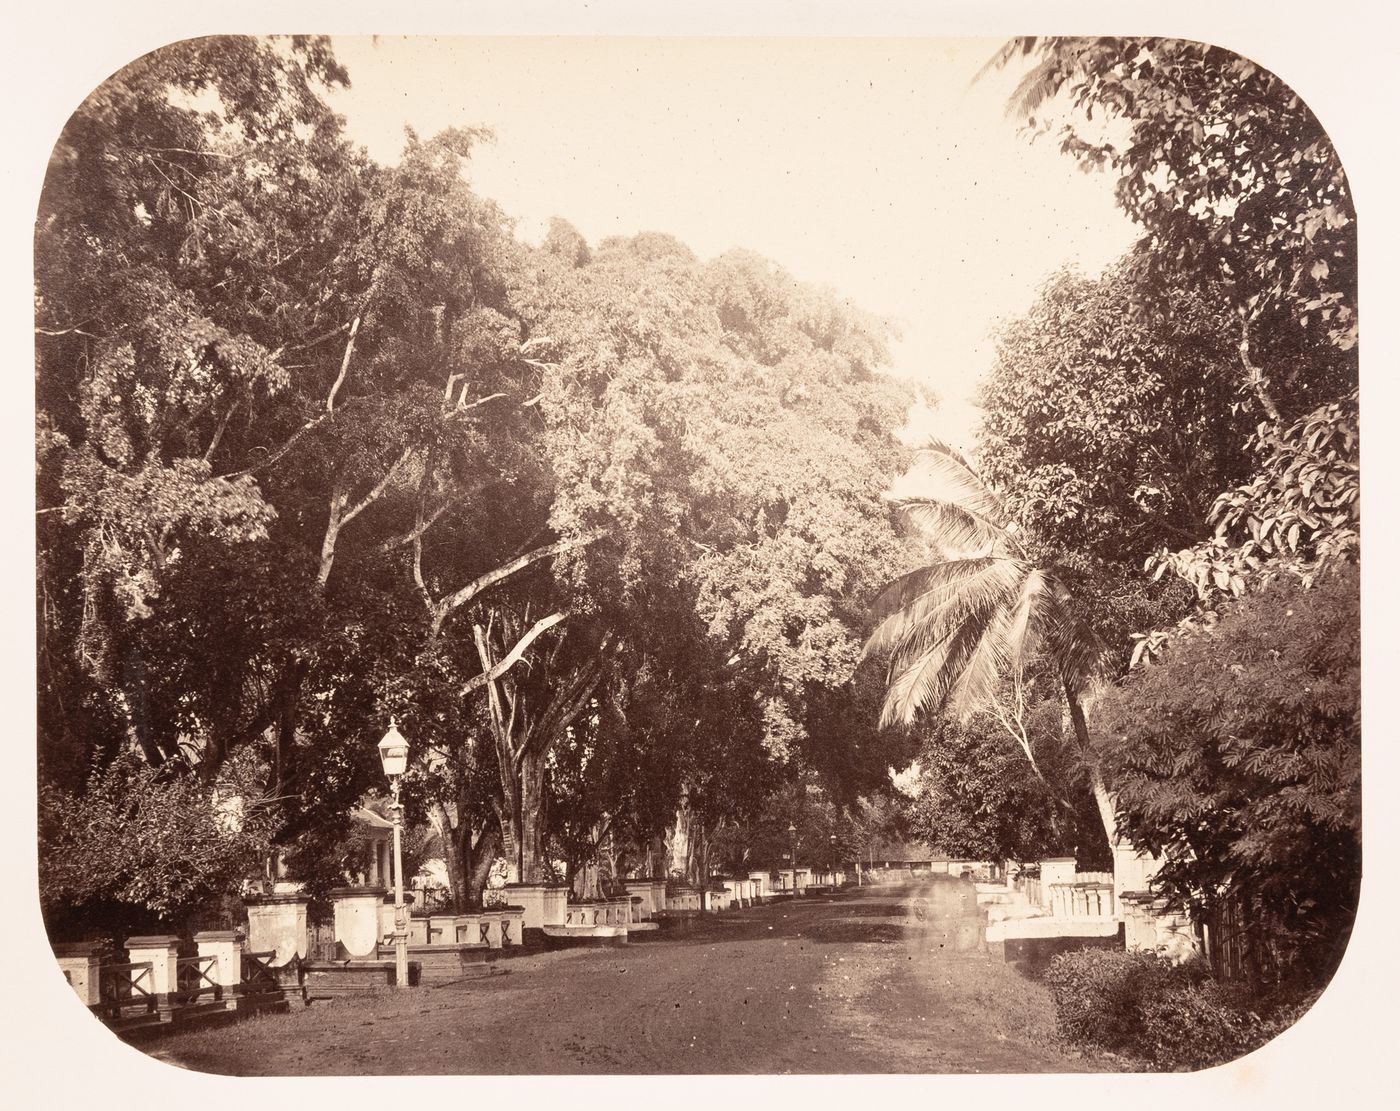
point(833, 861)
point(792, 834)
point(393, 754)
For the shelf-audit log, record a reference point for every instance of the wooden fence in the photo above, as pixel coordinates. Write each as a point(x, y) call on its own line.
point(1234, 944)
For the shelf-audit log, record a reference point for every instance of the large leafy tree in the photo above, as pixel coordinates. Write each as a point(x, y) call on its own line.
point(1237, 757)
point(320, 442)
point(1236, 754)
point(150, 336)
point(721, 435)
point(1235, 184)
point(263, 366)
point(1110, 417)
point(975, 797)
point(1242, 199)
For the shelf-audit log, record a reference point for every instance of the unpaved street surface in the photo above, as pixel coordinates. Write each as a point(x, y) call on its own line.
point(857, 983)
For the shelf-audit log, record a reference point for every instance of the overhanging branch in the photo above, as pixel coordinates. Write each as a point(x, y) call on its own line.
point(443, 608)
point(513, 656)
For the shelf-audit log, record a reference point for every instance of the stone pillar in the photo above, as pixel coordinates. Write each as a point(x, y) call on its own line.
point(226, 947)
point(277, 924)
point(162, 950)
point(81, 962)
point(491, 920)
point(357, 921)
point(1132, 870)
point(760, 880)
point(442, 929)
point(642, 889)
point(466, 929)
point(512, 921)
point(1053, 872)
point(543, 902)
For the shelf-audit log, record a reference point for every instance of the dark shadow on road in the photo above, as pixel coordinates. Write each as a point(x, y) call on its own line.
point(849, 933)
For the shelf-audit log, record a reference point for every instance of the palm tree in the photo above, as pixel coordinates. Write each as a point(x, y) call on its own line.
point(958, 630)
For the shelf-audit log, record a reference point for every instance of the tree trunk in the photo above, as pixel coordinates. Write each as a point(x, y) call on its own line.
point(131, 690)
point(702, 854)
point(678, 842)
point(509, 816)
point(448, 834)
point(1104, 800)
point(588, 881)
point(531, 829)
point(288, 699)
point(484, 853)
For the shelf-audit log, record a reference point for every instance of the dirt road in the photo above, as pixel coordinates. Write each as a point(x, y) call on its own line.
point(851, 984)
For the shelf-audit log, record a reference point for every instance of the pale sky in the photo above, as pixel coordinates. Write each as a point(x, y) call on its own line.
point(874, 166)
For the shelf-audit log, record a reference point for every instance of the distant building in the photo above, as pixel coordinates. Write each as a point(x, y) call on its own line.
point(915, 856)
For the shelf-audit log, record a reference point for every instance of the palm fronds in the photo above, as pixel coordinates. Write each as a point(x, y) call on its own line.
point(942, 495)
point(955, 629)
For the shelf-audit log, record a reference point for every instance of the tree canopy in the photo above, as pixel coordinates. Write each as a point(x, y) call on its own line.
point(322, 441)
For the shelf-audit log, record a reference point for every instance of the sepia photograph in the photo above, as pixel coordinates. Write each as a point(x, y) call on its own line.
point(635, 555)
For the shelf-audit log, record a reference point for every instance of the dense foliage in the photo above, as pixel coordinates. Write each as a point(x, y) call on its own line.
point(1169, 1017)
point(1109, 420)
point(1235, 184)
point(1206, 383)
point(1238, 755)
point(136, 848)
point(321, 441)
point(980, 799)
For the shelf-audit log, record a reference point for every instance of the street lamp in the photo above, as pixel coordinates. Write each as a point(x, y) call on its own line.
point(833, 861)
point(393, 754)
point(792, 833)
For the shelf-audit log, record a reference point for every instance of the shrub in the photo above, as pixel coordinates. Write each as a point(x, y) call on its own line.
point(1237, 757)
point(1096, 993)
point(1172, 1017)
point(1196, 1027)
point(142, 847)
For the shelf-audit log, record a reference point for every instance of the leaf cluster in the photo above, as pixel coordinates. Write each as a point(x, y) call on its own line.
point(1238, 756)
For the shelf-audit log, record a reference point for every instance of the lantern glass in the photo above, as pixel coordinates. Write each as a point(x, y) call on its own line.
point(393, 752)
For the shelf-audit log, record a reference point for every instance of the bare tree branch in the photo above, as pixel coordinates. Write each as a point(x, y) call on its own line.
point(462, 407)
point(483, 651)
point(219, 432)
point(338, 516)
point(373, 496)
point(444, 607)
point(333, 522)
point(344, 364)
point(513, 656)
point(280, 452)
point(420, 526)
